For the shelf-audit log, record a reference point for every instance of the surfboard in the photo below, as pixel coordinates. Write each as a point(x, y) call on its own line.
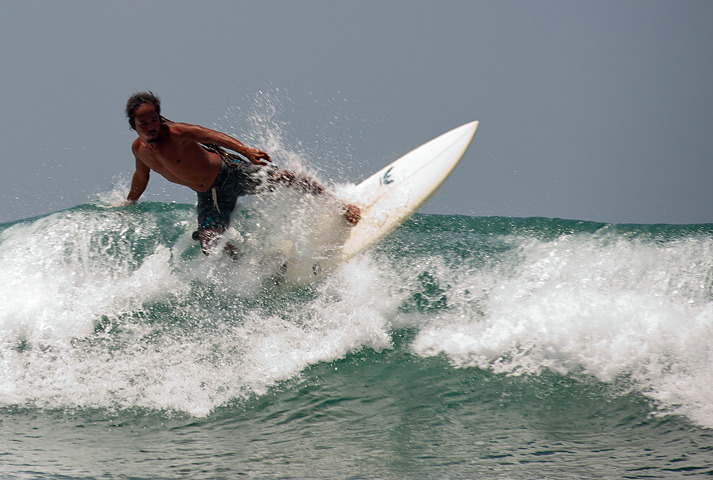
point(387, 198)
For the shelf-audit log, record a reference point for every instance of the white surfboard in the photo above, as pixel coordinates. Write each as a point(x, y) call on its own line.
point(387, 199)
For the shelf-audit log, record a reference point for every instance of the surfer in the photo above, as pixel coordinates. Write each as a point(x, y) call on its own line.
point(195, 156)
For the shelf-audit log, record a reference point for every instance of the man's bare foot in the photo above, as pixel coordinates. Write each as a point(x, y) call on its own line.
point(232, 252)
point(208, 239)
point(352, 213)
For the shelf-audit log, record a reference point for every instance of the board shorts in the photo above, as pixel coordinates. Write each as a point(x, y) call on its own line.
point(216, 205)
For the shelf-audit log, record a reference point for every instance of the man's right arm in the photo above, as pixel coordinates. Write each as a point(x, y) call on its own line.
point(138, 182)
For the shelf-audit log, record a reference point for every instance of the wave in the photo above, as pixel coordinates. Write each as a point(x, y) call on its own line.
point(118, 309)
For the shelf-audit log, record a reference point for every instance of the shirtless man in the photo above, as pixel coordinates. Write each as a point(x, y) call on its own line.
point(174, 151)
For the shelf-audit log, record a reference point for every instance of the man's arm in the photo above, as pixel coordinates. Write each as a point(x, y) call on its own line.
point(200, 134)
point(138, 182)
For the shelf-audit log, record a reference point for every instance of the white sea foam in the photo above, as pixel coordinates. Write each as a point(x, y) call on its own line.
point(590, 304)
point(86, 319)
point(84, 325)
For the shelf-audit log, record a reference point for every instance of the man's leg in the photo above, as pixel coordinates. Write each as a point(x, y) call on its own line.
point(213, 219)
point(308, 185)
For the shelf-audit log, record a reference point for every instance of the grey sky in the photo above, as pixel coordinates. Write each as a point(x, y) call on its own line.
point(594, 110)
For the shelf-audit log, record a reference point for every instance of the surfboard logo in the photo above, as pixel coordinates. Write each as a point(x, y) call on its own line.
point(386, 179)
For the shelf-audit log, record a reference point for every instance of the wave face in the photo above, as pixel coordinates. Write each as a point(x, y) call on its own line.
point(452, 330)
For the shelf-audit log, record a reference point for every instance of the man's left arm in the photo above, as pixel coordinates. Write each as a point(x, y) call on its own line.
point(206, 135)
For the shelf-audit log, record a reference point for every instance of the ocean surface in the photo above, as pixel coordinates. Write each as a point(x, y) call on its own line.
point(459, 347)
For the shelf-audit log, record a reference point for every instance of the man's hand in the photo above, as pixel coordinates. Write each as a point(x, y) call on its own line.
point(255, 156)
point(123, 203)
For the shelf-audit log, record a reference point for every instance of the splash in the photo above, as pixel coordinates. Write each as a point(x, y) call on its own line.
point(117, 308)
point(619, 309)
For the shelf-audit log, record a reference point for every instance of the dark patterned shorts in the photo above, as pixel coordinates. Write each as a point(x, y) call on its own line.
point(217, 204)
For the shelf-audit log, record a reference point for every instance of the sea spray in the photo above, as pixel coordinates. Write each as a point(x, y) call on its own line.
point(456, 348)
point(114, 309)
point(117, 308)
point(622, 306)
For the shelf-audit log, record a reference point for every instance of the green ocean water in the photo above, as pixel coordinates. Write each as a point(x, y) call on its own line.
point(460, 347)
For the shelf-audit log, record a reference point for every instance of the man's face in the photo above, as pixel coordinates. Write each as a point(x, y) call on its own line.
point(148, 123)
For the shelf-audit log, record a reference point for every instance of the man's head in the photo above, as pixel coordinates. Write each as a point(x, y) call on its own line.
point(136, 101)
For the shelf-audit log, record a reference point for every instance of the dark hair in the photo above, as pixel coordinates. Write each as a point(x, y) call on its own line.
point(136, 101)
